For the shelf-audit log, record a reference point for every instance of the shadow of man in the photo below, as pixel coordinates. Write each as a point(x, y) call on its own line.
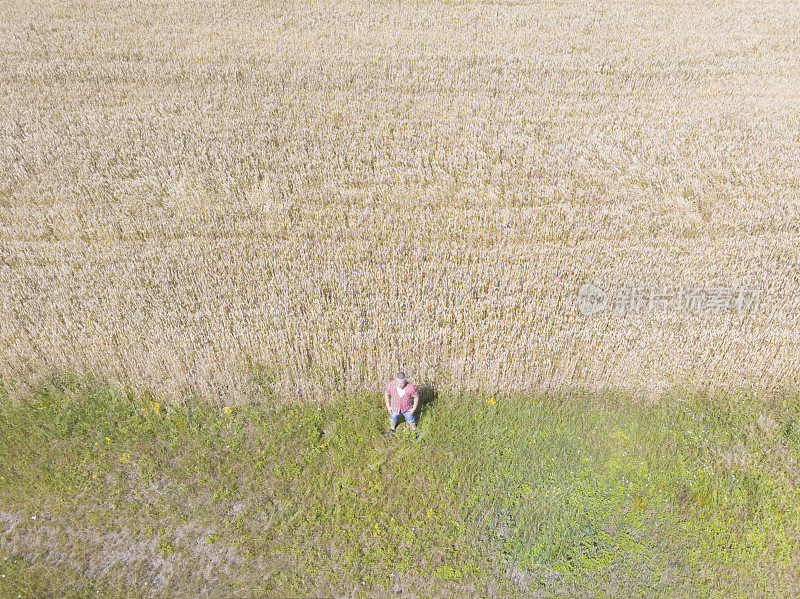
point(427, 397)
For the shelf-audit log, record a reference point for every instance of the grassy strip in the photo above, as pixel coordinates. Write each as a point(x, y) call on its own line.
point(572, 493)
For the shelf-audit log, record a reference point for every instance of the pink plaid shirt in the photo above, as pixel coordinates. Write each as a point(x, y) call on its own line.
point(401, 404)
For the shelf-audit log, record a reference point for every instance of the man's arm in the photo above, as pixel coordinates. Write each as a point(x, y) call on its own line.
point(416, 402)
point(388, 399)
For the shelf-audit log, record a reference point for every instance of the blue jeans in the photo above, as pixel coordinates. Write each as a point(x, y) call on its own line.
point(395, 416)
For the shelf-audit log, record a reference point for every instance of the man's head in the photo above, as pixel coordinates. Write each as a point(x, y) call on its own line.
point(400, 379)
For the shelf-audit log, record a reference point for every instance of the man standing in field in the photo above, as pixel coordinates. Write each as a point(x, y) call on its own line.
point(401, 398)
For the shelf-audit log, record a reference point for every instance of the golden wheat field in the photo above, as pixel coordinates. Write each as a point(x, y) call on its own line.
point(332, 191)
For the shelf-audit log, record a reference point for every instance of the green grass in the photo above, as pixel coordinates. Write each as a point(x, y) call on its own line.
point(572, 494)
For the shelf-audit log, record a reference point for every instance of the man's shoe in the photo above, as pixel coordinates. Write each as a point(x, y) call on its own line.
point(416, 435)
point(389, 432)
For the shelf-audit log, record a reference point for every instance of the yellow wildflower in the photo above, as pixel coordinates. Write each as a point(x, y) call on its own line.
point(227, 409)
